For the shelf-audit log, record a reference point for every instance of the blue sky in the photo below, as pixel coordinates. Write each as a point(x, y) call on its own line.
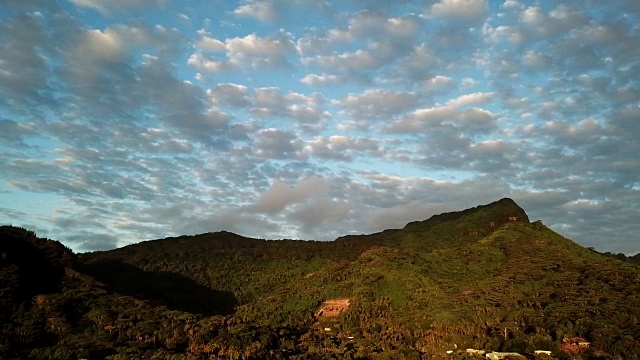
point(129, 120)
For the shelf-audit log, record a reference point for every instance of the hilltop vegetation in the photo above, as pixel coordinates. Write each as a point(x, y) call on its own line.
point(483, 278)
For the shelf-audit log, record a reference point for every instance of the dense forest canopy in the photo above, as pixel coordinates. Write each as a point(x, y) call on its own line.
point(485, 278)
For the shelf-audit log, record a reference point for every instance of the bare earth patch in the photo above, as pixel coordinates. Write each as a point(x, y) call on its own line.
point(332, 308)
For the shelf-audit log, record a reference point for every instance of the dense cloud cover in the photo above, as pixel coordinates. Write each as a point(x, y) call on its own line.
point(122, 121)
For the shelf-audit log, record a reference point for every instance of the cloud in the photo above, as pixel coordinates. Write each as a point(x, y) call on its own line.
point(277, 11)
point(375, 25)
point(343, 148)
point(279, 196)
point(439, 84)
point(511, 34)
point(372, 41)
point(206, 43)
point(471, 99)
point(398, 216)
point(250, 51)
point(276, 144)
point(99, 45)
point(112, 6)
point(321, 213)
point(208, 65)
point(626, 120)
point(261, 10)
point(260, 52)
point(141, 131)
point(323, 79)
point(419, 64)
point(91, 241)
point(376, 103)
point(350, 62)
point(270, 102)
point(536, 60)
point(465, 10)
point(440, 117)
point(14, 133)
point(24, 66)
point(230, 95)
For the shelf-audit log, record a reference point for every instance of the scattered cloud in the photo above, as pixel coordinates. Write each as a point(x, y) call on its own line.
point(466, 10)
point(280, 195)
point(122, 121)
point(111, 6)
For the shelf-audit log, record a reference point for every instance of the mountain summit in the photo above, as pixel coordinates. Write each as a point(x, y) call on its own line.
point(484, 278)
point(493, 214)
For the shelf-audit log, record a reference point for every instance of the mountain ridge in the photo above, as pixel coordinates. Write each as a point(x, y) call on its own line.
point(506, 206)
point(452, 279)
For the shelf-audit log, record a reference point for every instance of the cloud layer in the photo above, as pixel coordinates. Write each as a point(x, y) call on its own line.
point(123, 121)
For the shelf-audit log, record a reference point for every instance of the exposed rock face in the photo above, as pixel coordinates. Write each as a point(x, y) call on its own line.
point(332, 308)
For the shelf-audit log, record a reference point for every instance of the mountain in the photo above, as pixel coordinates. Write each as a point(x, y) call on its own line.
point(483, 278)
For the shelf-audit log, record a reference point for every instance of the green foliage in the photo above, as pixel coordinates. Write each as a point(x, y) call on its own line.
point(470, 279)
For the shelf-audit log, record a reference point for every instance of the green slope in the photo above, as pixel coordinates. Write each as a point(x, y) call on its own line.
point(484, 278)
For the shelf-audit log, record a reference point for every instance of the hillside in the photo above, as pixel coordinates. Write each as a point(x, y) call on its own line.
point(483, 278)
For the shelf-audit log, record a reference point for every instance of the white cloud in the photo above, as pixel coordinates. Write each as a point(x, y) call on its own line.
point(489, 147)
point(337, 147)
point(261, 10)
point(276, 144)
point(512, 4)
point(536, 60)
point(365, 26)
point(280, 195)
point(533, 15)
point(447, 118)
point(270, 102)
point(260, 52)
point(323, 79)
point(200, 62)
point(376, 103)
point(398, 216)
point(100, 45)
point(420, 119)
point(467, 10)
point(419, 63)
point(102, 119)
point(320, 214)
point(440, 84)
point(356, 61)
point(250, 51)
point(468, 83)
point(207, 43)
point(478, 98)
point(229, 95)
point(511, 34)
point(369, 24)
point(111, 6)
point(307, 114)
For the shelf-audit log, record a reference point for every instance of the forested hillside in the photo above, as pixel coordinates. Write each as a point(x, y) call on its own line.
point(483, 278)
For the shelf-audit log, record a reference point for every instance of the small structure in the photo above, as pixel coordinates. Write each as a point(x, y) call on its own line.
point(503, 355)
point(513, 218)
point(574, 345)
point(542, 352)
point(492, 223)
point(475, 352)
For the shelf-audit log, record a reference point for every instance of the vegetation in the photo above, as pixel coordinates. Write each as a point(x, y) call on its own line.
point(483, 278)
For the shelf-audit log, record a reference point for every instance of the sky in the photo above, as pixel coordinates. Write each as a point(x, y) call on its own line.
point(130, 120)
